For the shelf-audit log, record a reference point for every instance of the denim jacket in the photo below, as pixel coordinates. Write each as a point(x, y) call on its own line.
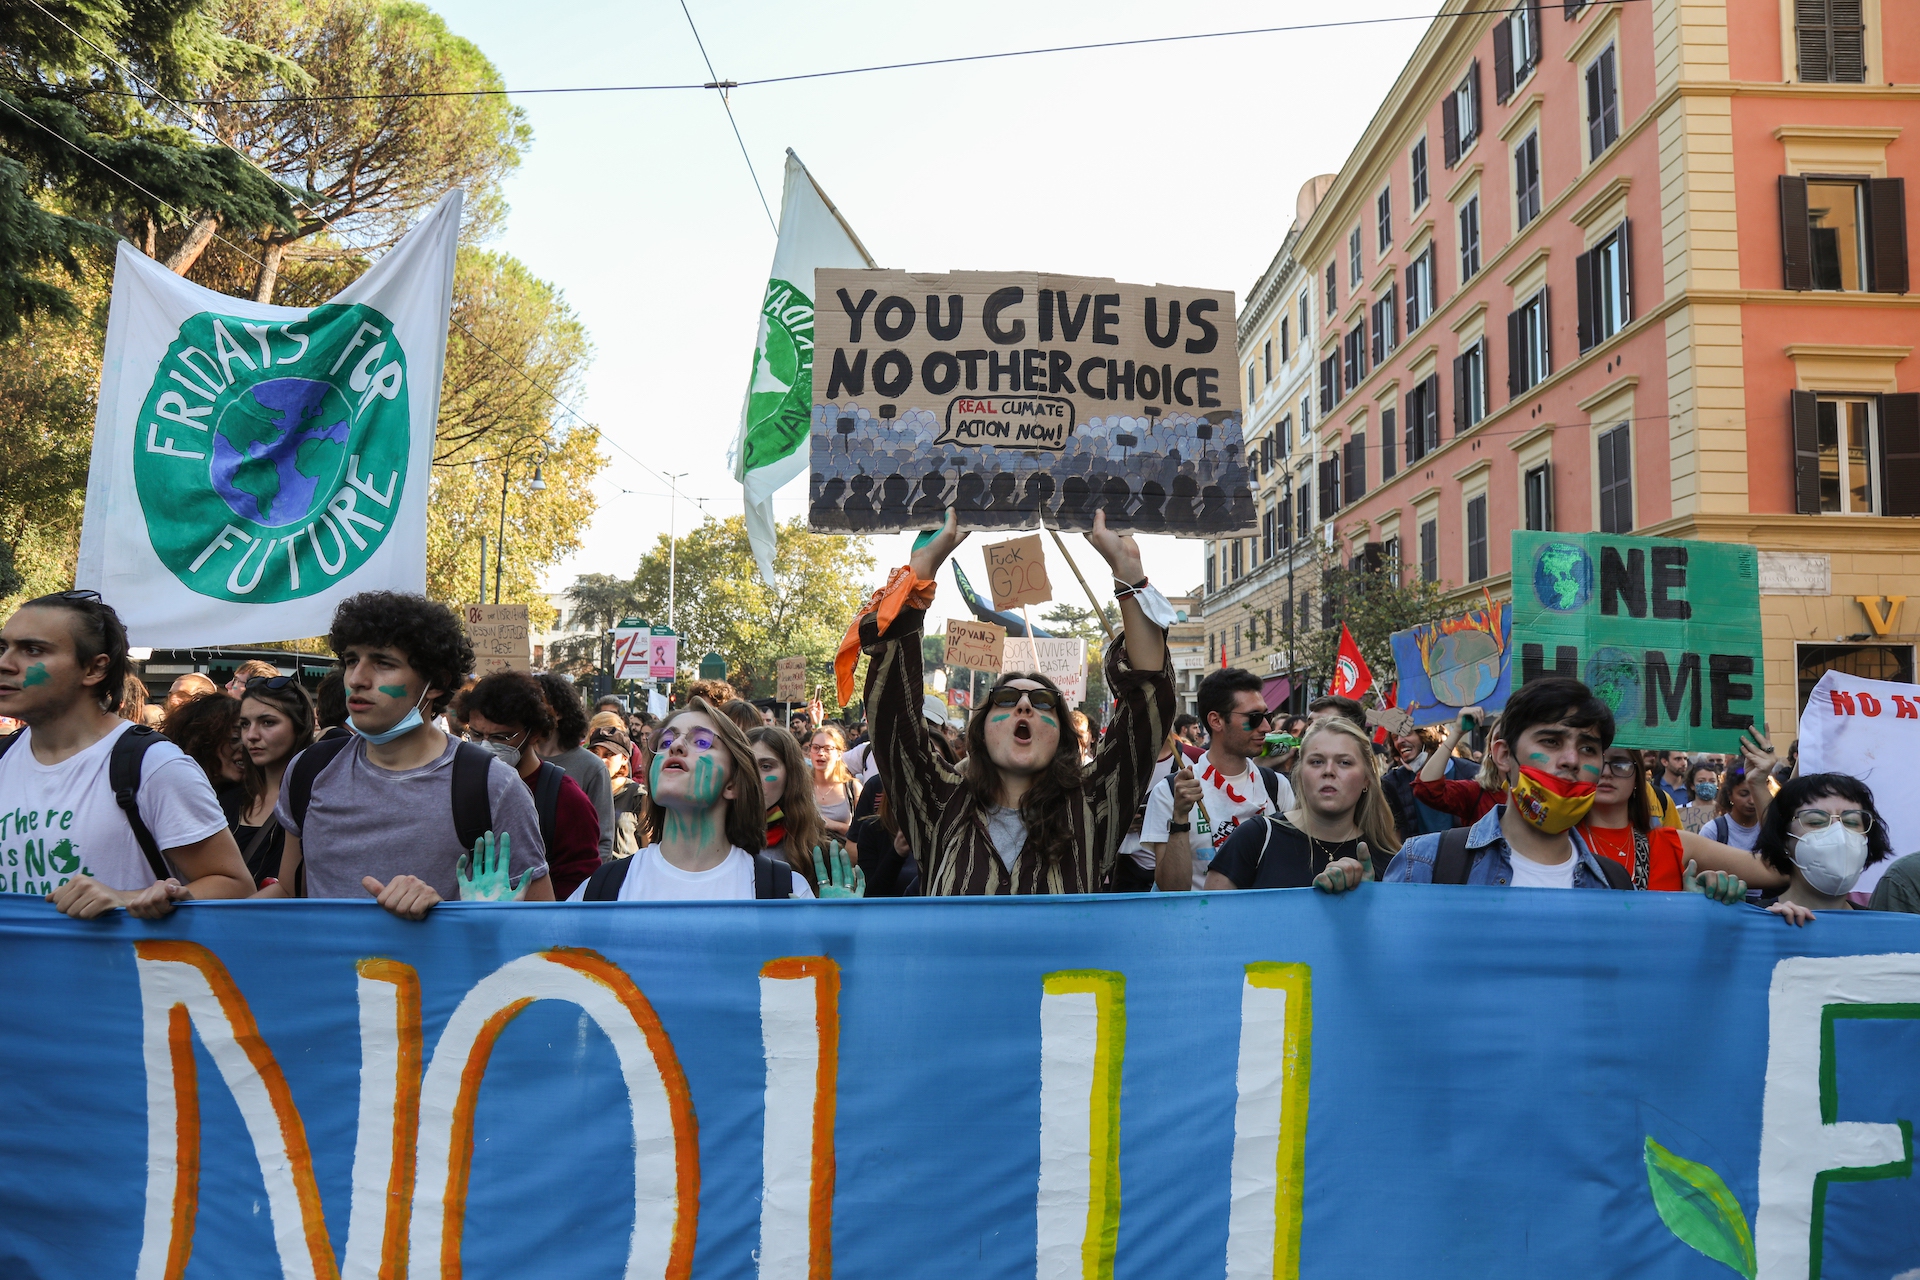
point(1492, 857)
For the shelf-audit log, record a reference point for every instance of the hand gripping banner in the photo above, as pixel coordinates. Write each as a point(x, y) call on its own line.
point(252, 464)
point(1466, 1084)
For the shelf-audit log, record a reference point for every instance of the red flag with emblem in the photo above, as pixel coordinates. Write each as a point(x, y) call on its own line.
point(1351, 678)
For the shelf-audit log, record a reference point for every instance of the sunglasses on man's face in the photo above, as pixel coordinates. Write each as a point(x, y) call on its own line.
point(1255, 719)
point(1038, 699)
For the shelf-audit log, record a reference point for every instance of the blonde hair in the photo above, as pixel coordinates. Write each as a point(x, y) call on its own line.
point(606, 720)
point(837, 772)
point(1489, 776)
point(1371, 814)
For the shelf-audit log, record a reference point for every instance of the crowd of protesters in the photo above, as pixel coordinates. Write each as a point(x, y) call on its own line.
point(406, 779)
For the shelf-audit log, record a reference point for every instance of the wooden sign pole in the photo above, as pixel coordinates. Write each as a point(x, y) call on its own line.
point(1098, 612)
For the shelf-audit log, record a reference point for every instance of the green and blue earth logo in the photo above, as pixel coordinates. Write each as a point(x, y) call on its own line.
point(270, 457)
point(1562, 576)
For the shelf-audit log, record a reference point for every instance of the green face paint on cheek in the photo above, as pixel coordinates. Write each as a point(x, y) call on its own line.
point(394, 690)
point(706, 782)
point(1536, 757)
point(997, 719)
point(1591, 770)
point(770, 778)
point(653, 774)
point(36, 674)
point(1050, 722)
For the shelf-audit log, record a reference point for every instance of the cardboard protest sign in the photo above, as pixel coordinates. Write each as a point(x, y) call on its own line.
point(977, 646)
point(1870, 730)
point(499, 636)
point(1666, 632)
point(1454, 663)
point(790, 679)
point(1023, 399)
point(1062, 660)
point(630, 658)
point(1017, 572)
point(663, 654)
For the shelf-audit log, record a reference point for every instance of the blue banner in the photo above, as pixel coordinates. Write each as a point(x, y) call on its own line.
point(1406, 1081)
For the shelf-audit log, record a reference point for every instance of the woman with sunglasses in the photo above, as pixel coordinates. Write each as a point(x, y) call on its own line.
point(1821, 832)
point(276, 724)
point(1022, 814)
point(1621, 825)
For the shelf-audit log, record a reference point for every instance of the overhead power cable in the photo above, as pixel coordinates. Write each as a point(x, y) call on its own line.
point(723, 86)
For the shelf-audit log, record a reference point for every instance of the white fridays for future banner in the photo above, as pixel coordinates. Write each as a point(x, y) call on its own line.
point(253, 464)
point(777, 418)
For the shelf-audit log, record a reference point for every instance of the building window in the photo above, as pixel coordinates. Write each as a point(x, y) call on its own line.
point(1286, 350)
point(1390, 556)
point(1420, 296)
point(1418, 164)
point(1469, 239)
point(1333, 292)
point(1537, 484)
point(1616, 480)
point(1266, 533)
point(1303, 509)
point(1355, 466)
point(1269, 621)
point(1236, 642)
point(1383, 215)
point(1330, 381)
point(1239, 567)
point(1266, 361)
point(1516, 48)
point(1603, 104)
point(1306, 316)
point(1329, 486)
point(1423, 419)
point(1832, 39)
point(1604, 275)
point(1529, 358)
point(1353, 258)
point(1477, 538)
point(1470, 387)
point(1283, 526)
point(1306, 417)
point(1526, 179)
point(1209, 579)
point(1389, 444)
point(1844, 233)
point(1460, 116)
point(1354, 357)
point(1385, 317)
point(1250, 391)
point(1429, 551)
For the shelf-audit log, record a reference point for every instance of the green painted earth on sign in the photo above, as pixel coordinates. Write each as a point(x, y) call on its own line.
point(1562, 576)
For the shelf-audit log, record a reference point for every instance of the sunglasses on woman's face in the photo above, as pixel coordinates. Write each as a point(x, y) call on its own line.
point(698, 739)
point(1038, 699)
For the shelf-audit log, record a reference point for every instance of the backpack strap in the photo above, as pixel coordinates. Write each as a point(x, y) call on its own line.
point(1617, 877)
point(6, 743)
point(1642, 855)
point(546, 800)
point(1453, 862)
point(1271, 778)
point(305, 768)
point(604, 885)
point(772, 878)
point(472, 806)
point(123, 775)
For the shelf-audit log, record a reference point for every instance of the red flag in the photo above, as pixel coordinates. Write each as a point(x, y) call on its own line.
point(1351, 678)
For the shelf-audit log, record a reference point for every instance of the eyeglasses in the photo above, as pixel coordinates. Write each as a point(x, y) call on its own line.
point(1619, 768)
point(1856, 820)
point(1257, 718)
point(702, 739)
point(269, 682)
point(503, 738)
point(1008, 696)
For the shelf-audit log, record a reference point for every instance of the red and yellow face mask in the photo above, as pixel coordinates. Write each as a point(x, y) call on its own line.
point(1550, 802)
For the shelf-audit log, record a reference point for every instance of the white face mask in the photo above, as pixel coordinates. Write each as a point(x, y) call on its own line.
point(1831, 858)
point(1417, 763)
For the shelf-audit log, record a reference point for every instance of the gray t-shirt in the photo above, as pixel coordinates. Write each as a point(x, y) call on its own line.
point(590, 771)
point(363, 820)
point(1007, 831)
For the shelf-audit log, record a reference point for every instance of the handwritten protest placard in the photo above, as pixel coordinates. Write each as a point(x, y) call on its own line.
point(790, 679)
point(1453, 663)
point(1017, 572)
point(499, 636)
point(1666, 632)
point(1062, 660)
point(977, 646)
point(1021, 399)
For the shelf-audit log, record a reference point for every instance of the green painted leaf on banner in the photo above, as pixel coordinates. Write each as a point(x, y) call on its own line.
point(1695, 1204)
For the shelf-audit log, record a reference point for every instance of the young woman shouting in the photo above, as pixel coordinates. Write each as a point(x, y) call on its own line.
point(276, 724)
point(1339, 833)
point(1021, 814)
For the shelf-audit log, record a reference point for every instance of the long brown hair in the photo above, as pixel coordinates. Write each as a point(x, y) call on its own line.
point(746, 824)
point(1372, 814)
point(798, 811)
point(292, 702)
point(1043, 809)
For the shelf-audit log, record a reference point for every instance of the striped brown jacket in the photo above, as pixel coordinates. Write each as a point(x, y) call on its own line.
point(937, 810)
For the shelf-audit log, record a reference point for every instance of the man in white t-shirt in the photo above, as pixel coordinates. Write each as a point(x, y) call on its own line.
point(1233, 708)
point(63, 666)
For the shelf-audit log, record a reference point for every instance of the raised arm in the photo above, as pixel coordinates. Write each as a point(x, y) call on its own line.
point(1436, 766)
point(1141, 682)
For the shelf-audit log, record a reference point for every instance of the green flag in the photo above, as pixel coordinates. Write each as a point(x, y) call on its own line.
point(778, 413)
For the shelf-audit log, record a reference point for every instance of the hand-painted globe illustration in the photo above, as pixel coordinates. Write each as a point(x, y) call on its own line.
point(272, 445)
point(1614, 676)
point(1562, 576)
point(1464, 667)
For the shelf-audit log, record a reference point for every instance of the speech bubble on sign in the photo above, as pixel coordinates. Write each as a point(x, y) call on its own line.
point(1009, 422)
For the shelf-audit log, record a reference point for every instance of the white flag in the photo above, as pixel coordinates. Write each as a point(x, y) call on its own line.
point(252, 464)
point(777, 416)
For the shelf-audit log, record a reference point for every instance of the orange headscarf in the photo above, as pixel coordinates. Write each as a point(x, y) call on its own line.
point(903, 589)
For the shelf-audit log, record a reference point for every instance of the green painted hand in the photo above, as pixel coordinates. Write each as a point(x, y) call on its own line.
point(485, 876)
point(1721, 886)
point(837, 876)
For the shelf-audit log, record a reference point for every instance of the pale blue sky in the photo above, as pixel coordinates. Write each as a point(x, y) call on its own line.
point(1174, 163)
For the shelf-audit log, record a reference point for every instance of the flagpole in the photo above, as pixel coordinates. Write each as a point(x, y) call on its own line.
point(1098, 612)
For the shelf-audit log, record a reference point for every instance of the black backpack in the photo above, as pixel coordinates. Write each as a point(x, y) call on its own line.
point(772, 879)
point(1454, 862)
point(123, 775)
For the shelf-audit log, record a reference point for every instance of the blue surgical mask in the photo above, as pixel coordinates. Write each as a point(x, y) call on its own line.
point(408, 723)
point(1705, 790)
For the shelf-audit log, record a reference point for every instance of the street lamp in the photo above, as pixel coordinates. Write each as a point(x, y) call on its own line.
point(673, 498)
point(536, 485)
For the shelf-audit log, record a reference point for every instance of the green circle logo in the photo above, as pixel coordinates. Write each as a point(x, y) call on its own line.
point(780, 395)
point(270, 457)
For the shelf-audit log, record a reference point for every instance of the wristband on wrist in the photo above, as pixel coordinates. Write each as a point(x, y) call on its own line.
point(1179, 826)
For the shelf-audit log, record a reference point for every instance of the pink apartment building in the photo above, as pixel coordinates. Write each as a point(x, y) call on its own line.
point(1635, 266)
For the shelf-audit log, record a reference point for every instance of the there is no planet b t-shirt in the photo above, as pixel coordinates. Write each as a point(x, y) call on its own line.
point(58, 821)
